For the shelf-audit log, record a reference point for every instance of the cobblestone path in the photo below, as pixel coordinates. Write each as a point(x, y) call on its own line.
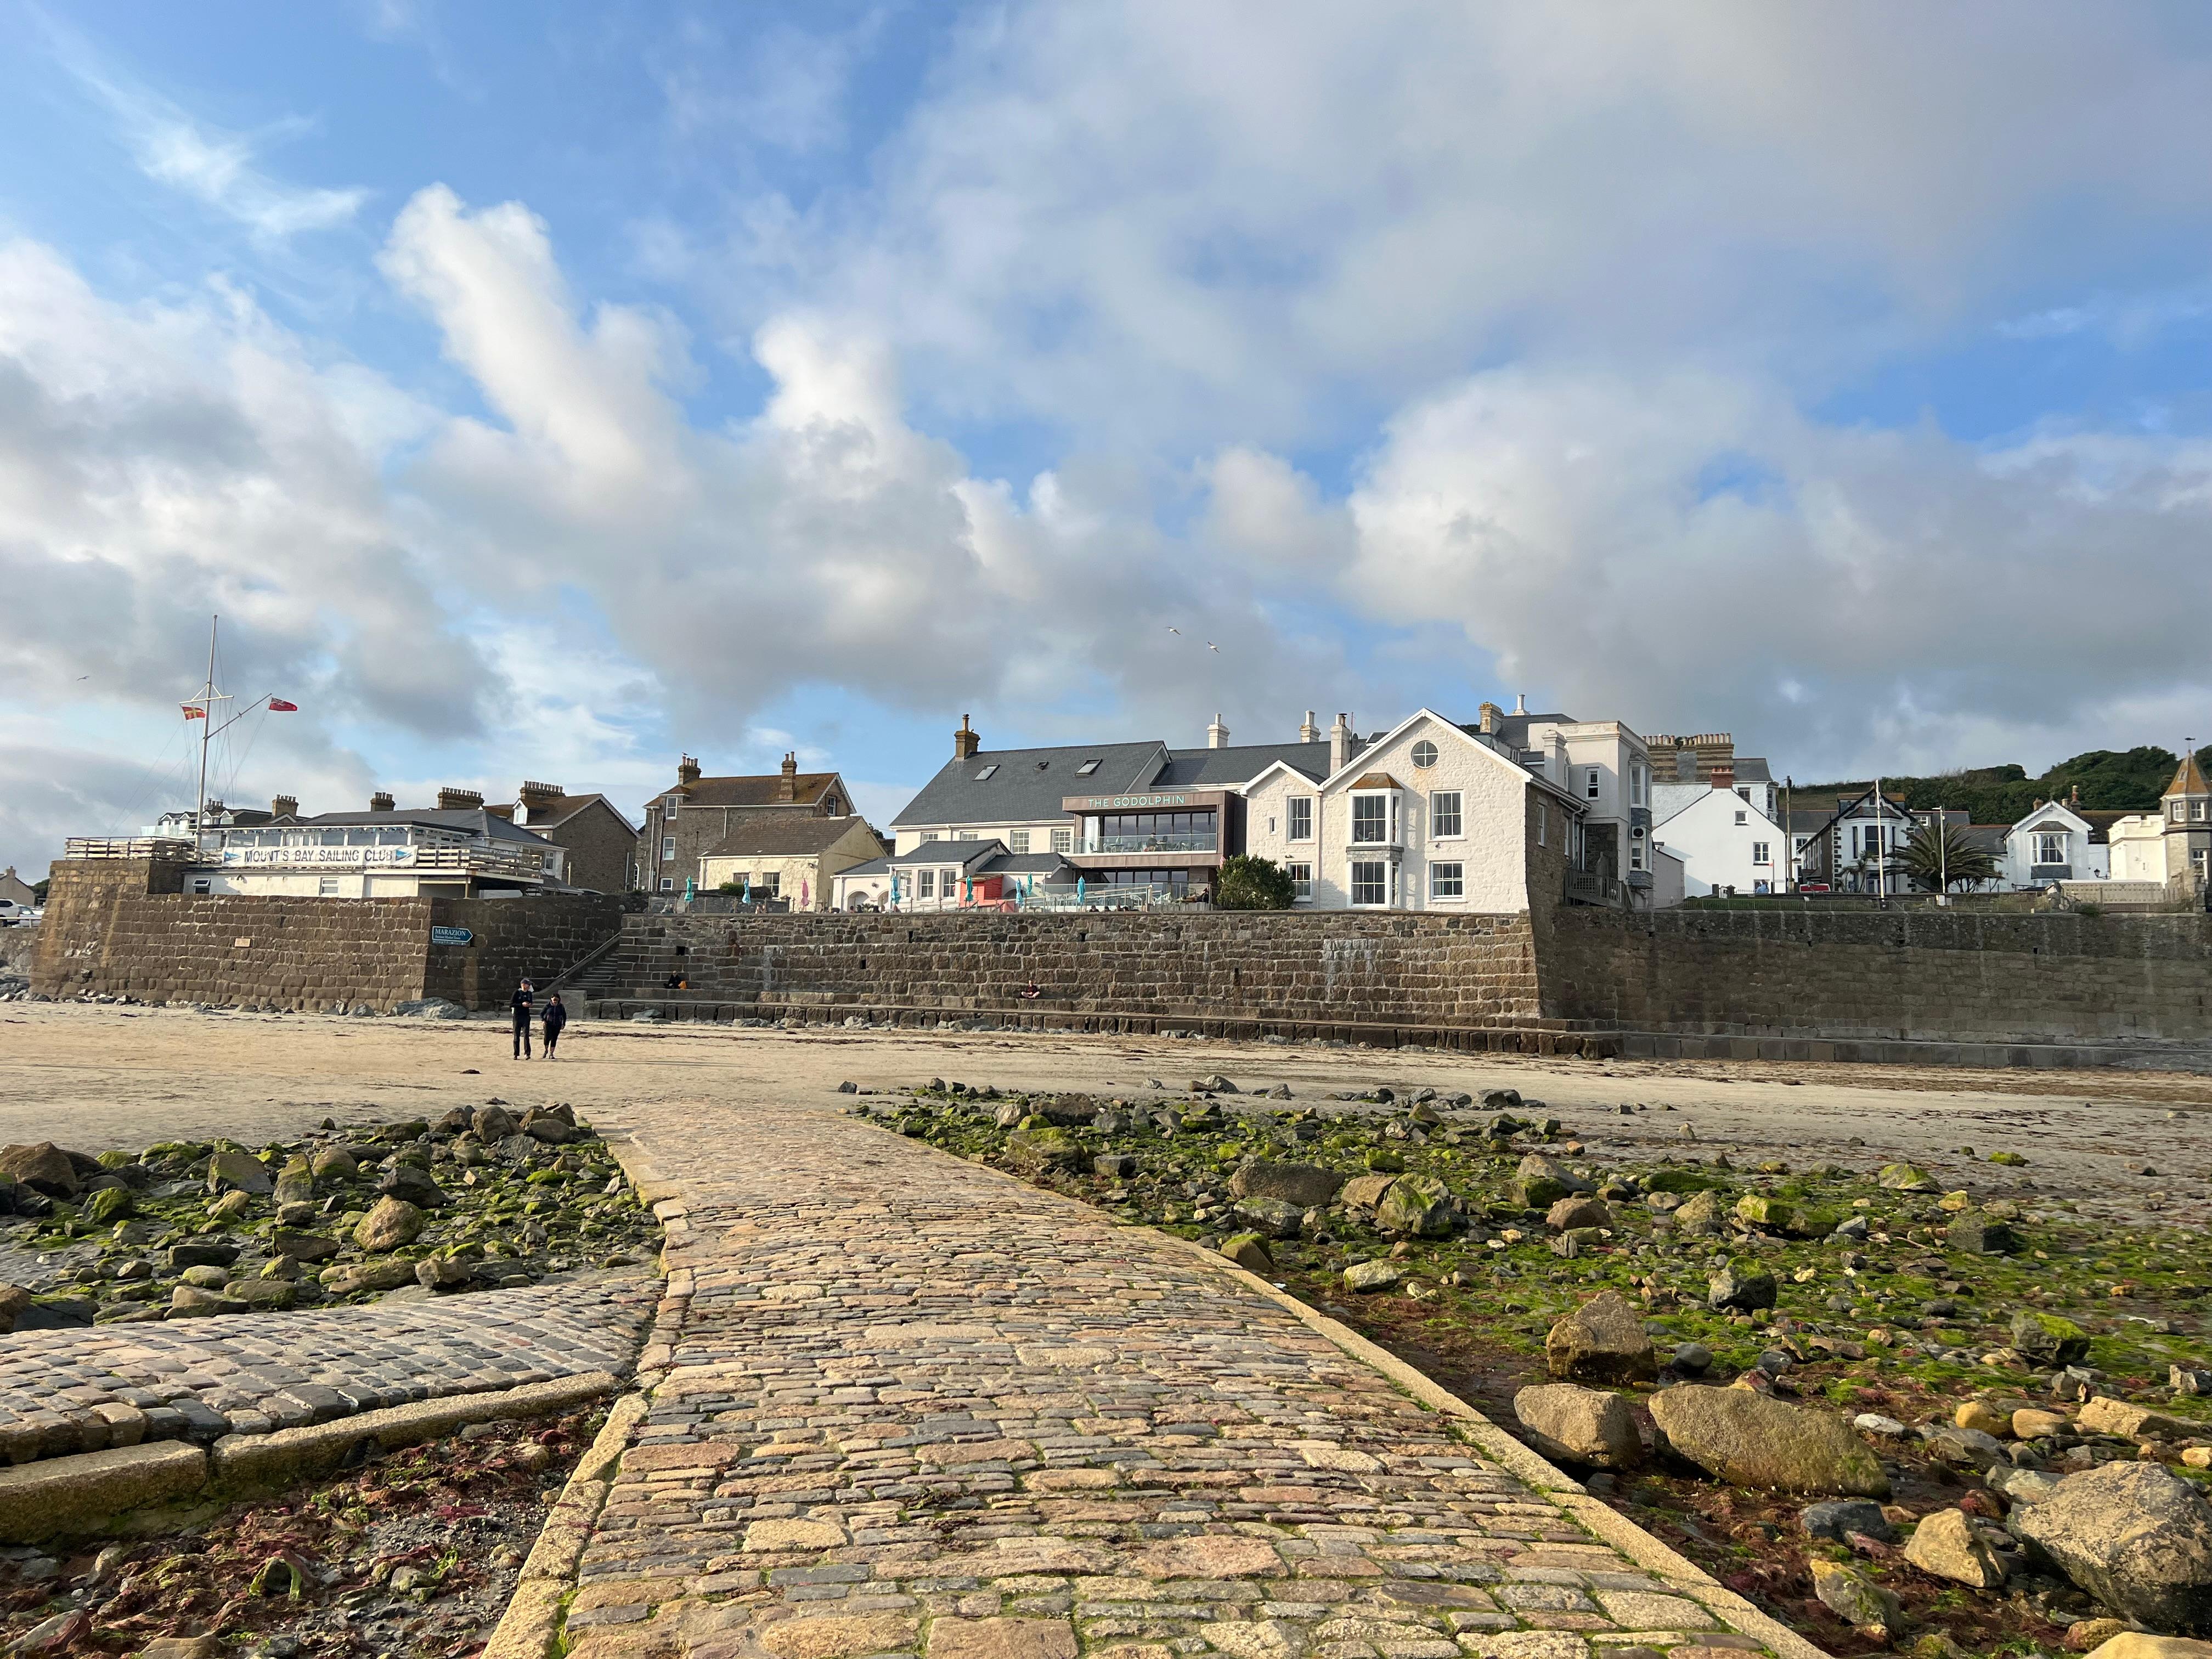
point(88, 1388)
point(900, 1404)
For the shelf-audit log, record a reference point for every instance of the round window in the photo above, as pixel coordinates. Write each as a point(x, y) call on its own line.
point(1424, 754)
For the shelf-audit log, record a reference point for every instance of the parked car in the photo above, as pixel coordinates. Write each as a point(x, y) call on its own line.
point(12, 913)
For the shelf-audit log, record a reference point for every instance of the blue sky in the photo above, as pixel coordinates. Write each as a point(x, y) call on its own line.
point(548, 390)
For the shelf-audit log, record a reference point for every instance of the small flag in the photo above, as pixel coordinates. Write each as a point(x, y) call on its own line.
point(194, 711)
point(278, 705)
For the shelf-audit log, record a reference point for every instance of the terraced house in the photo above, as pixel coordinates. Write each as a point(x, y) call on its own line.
point(700, 818)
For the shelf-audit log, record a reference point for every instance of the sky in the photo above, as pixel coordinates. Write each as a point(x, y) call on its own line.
point(545, 391)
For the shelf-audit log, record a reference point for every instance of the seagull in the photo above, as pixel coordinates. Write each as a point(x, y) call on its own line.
point(1211, 646)
point(1175, 630)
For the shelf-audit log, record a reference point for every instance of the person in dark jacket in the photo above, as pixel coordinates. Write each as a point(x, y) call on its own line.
point(555, 1018)
point(520, 1003)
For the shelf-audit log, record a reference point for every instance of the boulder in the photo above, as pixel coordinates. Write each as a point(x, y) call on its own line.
point(1063, 1111)
point(1367, 1276)
point(1740, 1286)
point(43, 1167)
point(1577, 1424)
point(556, 1131)
point(1113, 1166)
point(333, 1163)
point(494, 1123)
point(1904, 1178)
point(1033, 1151)
point(1749, 1440)
point(302, 1246)
point(237, 1172)
point(201, 1254)
point(15, 1302)
point(1306, 1185)
point(1945, 1544)
point(416, 1186)
point(2134, 1644)
point(2134, 1536)
point(295, 1182)
point(1539, 1182)
point(390, 1223)
point(191, 1302)
point(2033, 1423)
point(2048, 1339)
point(233, 1206)
point(263, 1295)
point(1365, 1192)
point(1701, 1214)
point(1578, 1212)
point(1419, 1206)
point(1248, 1251)
point(2105, 1415)
point(1866, 1606)
point(1275, 1217)
point(1981, 1235)
point(110, 1204)
point(443, 1273)
point(1838, 1518)
point(384, 1275)
point(1980, 1415)
point(1758, 1210)
point(1601, 1341)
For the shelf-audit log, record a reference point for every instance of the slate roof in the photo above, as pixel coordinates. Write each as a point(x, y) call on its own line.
point(1220, 769)
point(467, 821)
point(762, 789)
point(559, 811)
point(2189, 778)
point(1027, 785)
point(961, 853)
point(1751, 769)
point(781, 835)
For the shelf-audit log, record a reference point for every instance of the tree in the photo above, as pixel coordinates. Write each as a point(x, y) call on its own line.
point(1943, 855)
point(1251, 883)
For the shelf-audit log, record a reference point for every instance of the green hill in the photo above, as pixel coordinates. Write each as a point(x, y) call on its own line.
point(2129, 780)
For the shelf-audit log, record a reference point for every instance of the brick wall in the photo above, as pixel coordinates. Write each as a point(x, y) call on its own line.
point(1945, 975)
point(602, 848)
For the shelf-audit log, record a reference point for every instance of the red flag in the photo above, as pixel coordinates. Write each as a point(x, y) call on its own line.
point(192, 711)
point(278, 705)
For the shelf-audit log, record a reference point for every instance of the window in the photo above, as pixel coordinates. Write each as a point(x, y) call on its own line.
point(1301, 820)
point(1301, 882)
point(1370, 819)
point(929, 834)
point(1371, 883)
point(832, 807)
point(1445, 819)
point(1758, 855)
point(202, 885)
point(1424, 754)
point(1082, 771)
point(1636, 855)
point(771, 882)
point(1447, 881)
point(1543, 823)
point(1744, 793)
point(327, 887)
point(1743, 818)
point(987, 771)
point(1019, 842)
point(669, 805)
point(2197, 810)
point(1636, 777)
point(668, 884)
point(1590, 783)
point(2050, 847)
point(667, 849)
point(2179, 811)
point(924, 884)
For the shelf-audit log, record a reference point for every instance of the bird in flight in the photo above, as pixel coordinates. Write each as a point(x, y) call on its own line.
point(1211, 646)
point(1175, 630)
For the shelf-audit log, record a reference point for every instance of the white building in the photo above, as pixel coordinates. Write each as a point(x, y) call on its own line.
point(2054, 843)
point(1726, 843)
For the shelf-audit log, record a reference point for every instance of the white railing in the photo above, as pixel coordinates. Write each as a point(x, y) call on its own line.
point(126, 847)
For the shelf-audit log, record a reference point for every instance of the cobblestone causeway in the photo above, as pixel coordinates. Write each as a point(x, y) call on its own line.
point(902, 1405)
point(87, 1389)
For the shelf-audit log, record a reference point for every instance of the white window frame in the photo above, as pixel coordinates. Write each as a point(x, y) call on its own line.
point(1456, 880)
point(925, 884)
point(1543, 823)
point(1298, 806)
point(1590, 787)
point(1354, 882)
point(1743, 818)
point(2051, 842)
point(1018, 840)
point(1301, 874)
point(1441, 815)
point(1387, 800)
point(1636, 784)
point(667, 849)
point(668, 884)
point(1063, 841)
point(1761, 853)
point(1415, 752)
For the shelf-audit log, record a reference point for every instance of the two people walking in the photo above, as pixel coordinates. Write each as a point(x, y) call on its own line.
point(555, 1018)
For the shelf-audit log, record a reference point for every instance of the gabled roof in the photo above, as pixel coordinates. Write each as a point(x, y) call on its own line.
point(961, 853)
point(2187, 779)
point(1238, 764)
point(467, 821)
point(559, 811)
point(761, 789)
point(1473, 735)
point(1026, 786)
point(781, 834)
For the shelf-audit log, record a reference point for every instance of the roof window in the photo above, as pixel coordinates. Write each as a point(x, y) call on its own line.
point(1086, 768)
point(987, 771)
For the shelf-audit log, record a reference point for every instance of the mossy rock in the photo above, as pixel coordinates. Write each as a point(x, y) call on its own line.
point(109, 1205)
point(1761, 1211)
point(1035, 1150)
point(1682, 1180)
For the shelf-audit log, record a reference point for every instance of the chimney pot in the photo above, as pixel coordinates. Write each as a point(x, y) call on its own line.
point(1310, 732)
point(285, 806)
point(1487, 719)
point(687, 772)
point(966, 741)
point(1217, 735)
point(381, 801)
point(459, 800)
point(1520, 702)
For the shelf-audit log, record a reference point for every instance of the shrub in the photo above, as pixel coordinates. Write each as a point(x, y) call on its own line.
point(1252, 884)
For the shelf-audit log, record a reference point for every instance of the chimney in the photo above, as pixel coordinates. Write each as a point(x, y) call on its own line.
point(459, 800)
point(381, 802)
point(966, 741)
point(537, 798)
point(1520, 702)
point(1686, 766)
point(1490, 715)
point(285, 806)
point(1310, 732)
point(687, 772)
point(1339, 744)
point(1723, 774)
point(1217, 735)
point(786, 788)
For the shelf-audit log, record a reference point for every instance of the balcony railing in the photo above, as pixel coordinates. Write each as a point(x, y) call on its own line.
point(126, 847)
point(1184, 842)
point(1594, 887)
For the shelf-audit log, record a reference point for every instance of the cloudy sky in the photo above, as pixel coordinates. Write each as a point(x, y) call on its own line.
point(538, 390)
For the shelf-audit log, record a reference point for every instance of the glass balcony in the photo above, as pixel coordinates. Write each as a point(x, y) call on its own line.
point(1167, 841)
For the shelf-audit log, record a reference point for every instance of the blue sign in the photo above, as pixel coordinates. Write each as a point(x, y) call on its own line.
point(451, 936)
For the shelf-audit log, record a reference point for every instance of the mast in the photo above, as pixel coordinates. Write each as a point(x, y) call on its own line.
point(207, 720)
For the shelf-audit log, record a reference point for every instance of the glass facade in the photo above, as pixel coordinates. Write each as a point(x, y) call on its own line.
point(1177, 879)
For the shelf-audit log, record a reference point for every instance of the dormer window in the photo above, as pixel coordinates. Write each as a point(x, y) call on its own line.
point(671, 803)
point(987, 771)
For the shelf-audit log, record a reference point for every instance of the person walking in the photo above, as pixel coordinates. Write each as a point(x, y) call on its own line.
point(520, 1003)
point(555, 1018)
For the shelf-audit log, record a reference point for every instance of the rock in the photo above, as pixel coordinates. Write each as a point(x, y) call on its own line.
point(239, 1171)
point(182, 1256)
point(1838, 1517)
point(43, 1167)
point(1981, 1235)
point(416, 1186)
point(207, 1279)
point(1740, 1285)
point(1418, 1205)
point(1945, 1544)
point(1035, 1150)
point(333, 1163)
point(2105, 1415)
point(231, 1206)
point(1760, 1211)
point(2084, 1634)
point(1578, 1212)
point(1601, 1341)
point(1306, 1185)
point(443, 1273)
point(1904, 1178)
point(1692, 1359)
point(1700, 1215)
point(15, 1302)
point(2134, 1536)
point(1540, 1182)
point(1982, 1417)
point(1367, 1276)
point(494, 1123)
point(2021, 1485)
point(392, 1223)
point(356, 1276)
point(1579, 1424)
point(1875, 1423)
point(2030, 1423)
point(1365, 1192)
point(191, 1302)
point(1277, 1218)
point(1113, 1166)
point(110, 1204)
point(553, 1129)
point(1867, 1607)
point(2135, 1645)
point(263, 1295)
point(1248, 1251)
point(2048, 1339)
point(295, 1182)
point(302, 1246)
point(1749, 1440)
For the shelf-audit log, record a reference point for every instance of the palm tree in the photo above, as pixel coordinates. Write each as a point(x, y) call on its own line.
point(1942, 855)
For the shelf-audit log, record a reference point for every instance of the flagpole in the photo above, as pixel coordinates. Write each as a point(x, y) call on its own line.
point(207, 720)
